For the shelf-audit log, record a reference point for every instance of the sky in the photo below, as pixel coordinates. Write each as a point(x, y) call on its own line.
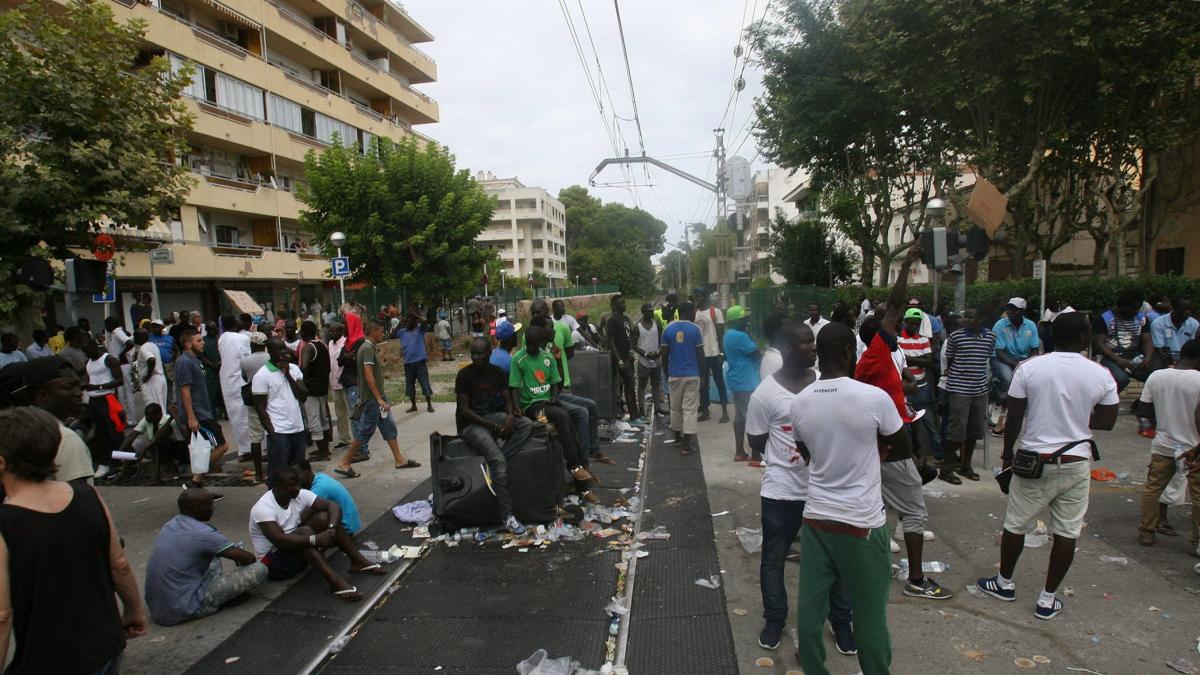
point(515, 99)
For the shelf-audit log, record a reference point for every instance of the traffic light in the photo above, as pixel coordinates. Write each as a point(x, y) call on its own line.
point(938, 244)
point(977, 243)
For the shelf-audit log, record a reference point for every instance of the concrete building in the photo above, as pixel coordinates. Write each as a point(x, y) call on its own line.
point(528, 229)
point(273, 80)
point(772, 188)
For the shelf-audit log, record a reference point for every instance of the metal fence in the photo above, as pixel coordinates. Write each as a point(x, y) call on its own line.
point(796, 299)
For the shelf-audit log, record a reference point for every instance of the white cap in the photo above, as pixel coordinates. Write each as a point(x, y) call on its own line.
point(1019, 303)
point(502, 312)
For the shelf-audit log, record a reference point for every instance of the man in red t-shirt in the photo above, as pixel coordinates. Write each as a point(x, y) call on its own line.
point(882, 365)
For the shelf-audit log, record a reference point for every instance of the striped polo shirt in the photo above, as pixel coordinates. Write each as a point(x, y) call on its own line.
point(914, 345)
point(968, 357)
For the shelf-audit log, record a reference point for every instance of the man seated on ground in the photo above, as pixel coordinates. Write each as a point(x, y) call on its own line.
point(501, 356)
point(1169, 332)
point(291, 528)
point(585, 337)
point(155, 432)
point(534, 385)
point(484, 414)
point(1016, 340)
point(329, 488)
point(184, 579)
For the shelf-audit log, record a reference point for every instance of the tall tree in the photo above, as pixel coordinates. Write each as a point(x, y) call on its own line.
point(806, 253)
point(611, 242)
point(409, 216)
point(88, 130)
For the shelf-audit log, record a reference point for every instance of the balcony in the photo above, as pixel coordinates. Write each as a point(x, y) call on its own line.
point(242, 196)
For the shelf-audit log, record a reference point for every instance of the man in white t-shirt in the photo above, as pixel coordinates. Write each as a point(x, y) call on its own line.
point(290, 529)
point(843, 428)
point(772, 359)
point(815, 321)
point(712, 328)
point(1054, 402)
point(279, 395)
point(785, 482)
point(1171, 398)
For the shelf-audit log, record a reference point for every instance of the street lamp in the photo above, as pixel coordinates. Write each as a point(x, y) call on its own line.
point(338, 239)
point(594, 280)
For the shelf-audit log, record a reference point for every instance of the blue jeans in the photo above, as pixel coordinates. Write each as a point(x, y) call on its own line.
point(1119, 374)
point(370, 420)
point(781, 520)
point(583, 414)
point(923, 400)
point(283, 450)
point(1004, 375)
point(415, 372)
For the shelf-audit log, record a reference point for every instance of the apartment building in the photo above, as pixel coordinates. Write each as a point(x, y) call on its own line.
point(775, 193)
point(528, 228)
point(272, 81)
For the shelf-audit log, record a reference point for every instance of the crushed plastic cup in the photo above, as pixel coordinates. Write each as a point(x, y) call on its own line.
point(713, 582)
point(751, 539)
point(659, 533)
point(929, 566)
point(616, 606)
point(1115, 559)
point(540, 663)
point(339, 644)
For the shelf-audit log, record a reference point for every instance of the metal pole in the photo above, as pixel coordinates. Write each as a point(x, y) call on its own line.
point(1045, 269)
point(342, 280)
point(960, 290)
point(154, 290)
point(937, 283)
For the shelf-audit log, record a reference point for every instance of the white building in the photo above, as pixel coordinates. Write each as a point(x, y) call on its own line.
point(772, 187)
point(528, 229)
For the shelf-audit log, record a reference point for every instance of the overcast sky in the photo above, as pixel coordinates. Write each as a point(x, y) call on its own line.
point(515, 99)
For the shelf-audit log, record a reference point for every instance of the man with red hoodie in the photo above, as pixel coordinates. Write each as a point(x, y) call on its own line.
point(881, 365)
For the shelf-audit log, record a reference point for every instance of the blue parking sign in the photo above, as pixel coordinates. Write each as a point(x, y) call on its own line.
point(110, 290)
point(341, 266)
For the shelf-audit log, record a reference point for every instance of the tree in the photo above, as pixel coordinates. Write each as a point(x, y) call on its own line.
point(673, 271)
point(805, 253)
point(611, 242)
point(409, 216)
point(88, 130)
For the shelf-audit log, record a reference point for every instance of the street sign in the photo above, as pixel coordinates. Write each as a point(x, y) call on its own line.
point(341, 266)
point(162, 256)
point(110, 290)
point(1039, 269)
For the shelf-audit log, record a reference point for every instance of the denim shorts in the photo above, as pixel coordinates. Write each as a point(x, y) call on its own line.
point(364, 426)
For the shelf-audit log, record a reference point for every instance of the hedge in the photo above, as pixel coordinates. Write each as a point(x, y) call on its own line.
point(1083, 293)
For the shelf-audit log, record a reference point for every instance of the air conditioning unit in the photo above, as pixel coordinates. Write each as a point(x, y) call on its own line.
point(228, 30)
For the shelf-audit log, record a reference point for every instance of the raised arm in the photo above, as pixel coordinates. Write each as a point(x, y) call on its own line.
point(891, 319)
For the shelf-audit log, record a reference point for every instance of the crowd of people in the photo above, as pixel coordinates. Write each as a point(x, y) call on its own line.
point(848, 416)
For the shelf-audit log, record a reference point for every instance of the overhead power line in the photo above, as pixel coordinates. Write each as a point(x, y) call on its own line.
point(629, 74)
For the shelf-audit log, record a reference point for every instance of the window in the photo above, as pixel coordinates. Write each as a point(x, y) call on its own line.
point(286, 114)
point(229, 236)
point(1169, 261)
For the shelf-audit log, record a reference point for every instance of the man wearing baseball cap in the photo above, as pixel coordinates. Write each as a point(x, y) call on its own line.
point(743, 357)
point(1016, 340)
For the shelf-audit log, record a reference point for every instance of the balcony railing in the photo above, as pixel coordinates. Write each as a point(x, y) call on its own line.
point(300, 21)
point(368, 111)
point(364, 61)
point(307, 84)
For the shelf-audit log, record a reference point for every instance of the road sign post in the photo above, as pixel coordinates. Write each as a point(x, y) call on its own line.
point(109, 294)
point(340, 268)
point(161, 256)
point(1039, 272)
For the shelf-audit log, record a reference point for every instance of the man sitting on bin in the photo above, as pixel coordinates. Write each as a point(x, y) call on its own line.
point(485, 414)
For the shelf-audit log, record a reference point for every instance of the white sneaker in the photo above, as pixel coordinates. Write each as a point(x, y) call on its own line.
point(894, 546)
point(101, 472)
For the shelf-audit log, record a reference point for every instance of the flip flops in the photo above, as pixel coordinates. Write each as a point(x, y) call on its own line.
point(349, 594)
point(346, 473)
point(373, 568)
point(410, 464)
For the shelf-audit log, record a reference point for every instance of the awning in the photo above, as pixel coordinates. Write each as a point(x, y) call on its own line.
point(233, 14)
point(156, 231)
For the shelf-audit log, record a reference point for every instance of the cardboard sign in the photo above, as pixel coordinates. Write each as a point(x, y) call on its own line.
point(243, 303)
point(987, 206)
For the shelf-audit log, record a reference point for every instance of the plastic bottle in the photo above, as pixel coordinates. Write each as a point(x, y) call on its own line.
point(381, 557)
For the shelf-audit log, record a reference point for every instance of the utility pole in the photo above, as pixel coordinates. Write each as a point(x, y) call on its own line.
point(722, 237)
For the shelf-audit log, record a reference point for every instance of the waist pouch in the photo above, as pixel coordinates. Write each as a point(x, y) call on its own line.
point(1029, 464)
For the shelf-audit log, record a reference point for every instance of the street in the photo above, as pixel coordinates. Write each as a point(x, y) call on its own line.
point(1146, 601)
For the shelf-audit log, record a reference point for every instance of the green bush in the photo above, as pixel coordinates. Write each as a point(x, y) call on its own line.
point(1083, 293)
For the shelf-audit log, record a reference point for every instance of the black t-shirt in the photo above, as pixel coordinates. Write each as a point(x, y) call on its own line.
point(618, 331)
point(483, 387)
